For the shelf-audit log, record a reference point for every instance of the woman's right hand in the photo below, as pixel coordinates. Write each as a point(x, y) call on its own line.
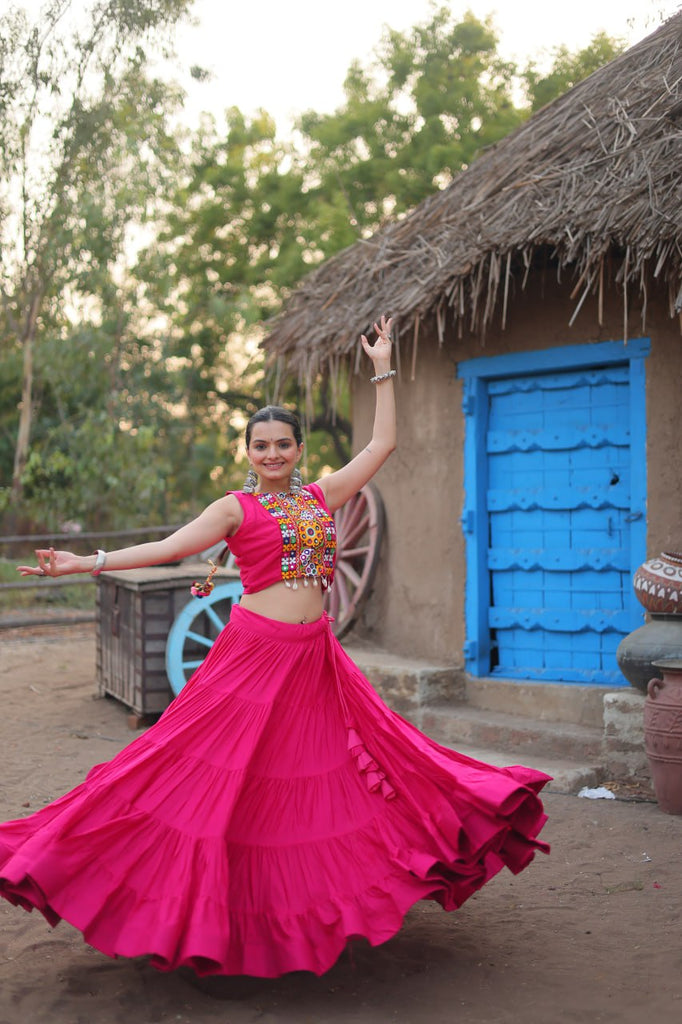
point(380, 351)
point(57, 563)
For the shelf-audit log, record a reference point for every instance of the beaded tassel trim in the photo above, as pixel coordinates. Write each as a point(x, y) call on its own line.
point(206, 588)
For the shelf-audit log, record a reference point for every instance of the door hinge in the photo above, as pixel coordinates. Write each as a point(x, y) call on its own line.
point(468, 520)
point(470, 650)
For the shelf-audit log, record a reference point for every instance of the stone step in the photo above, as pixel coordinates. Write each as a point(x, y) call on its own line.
point(455, 724)
point(572, 703)
point(408, 684)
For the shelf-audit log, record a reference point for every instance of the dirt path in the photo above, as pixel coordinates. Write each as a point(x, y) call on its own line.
point(589, 934)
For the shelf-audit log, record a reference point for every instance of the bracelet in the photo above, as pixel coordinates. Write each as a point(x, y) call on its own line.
point(99, 562)
point(382, 376)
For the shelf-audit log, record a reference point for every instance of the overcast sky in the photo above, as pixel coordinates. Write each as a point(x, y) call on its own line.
point(292, 55)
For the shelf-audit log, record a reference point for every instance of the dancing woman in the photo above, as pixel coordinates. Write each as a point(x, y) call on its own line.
point(278, 807)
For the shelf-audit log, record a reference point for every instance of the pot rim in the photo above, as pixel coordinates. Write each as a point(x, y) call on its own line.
point(673, 664)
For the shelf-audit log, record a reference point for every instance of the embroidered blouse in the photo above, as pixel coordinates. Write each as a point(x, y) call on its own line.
point(290, 537)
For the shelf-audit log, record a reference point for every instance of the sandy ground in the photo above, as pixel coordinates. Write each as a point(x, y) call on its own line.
point(591, 933)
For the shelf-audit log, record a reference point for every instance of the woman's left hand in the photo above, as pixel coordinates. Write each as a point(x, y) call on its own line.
point(380, 351)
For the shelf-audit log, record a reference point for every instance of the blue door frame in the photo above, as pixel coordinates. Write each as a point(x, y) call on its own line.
point(483, 377)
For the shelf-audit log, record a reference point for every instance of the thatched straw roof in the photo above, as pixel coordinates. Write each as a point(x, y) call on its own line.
point(593, 182)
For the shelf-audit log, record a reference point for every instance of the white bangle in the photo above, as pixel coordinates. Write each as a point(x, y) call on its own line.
point(382, 376)
point(99, 562)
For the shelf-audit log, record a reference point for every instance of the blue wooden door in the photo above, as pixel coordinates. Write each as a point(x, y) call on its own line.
point(556, 533)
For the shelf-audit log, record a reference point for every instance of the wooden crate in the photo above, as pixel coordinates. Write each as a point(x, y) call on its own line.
point(135, 611)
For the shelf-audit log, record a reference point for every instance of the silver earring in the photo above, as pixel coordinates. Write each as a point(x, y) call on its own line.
point(251, 482)
point(296, 481)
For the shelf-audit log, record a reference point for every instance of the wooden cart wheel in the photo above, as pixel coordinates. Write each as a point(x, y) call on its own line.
point(359, 531)
point(195, 630)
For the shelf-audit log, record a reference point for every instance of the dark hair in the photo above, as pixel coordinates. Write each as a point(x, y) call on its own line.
point(275, 412)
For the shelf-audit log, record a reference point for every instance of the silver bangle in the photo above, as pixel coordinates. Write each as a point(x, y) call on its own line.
point(382, 376)
point(99, 562)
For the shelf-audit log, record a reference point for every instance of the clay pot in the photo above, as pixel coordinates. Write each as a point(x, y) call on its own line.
point(657, 639)
point(663, 734)
point(658, 583)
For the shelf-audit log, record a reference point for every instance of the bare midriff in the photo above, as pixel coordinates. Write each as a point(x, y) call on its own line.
point(285, 604)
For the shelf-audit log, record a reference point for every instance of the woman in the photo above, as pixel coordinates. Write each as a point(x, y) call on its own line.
point(277, 807)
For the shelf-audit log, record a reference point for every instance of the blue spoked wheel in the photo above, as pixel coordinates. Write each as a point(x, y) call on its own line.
point(195, 630)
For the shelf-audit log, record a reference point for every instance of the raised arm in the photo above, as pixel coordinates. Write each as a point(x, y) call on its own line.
point(339, 486)
point(219, 519)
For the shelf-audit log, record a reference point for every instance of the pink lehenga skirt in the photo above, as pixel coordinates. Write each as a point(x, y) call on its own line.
point(276, 809)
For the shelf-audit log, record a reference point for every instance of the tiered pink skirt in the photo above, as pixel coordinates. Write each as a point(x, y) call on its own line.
point(276, 809)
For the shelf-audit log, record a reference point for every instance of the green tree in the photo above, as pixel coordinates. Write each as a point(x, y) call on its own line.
point(208, 274)
point(567, 69)
point(239, 233)
point(431, 99)
point(69, 100)
point(211, 269)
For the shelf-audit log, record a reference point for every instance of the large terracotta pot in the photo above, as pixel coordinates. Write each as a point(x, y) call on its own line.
point(658, 583)
point(663, 734)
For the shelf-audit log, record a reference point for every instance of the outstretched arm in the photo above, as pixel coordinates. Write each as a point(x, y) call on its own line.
point(339, 486)
point(220, 518)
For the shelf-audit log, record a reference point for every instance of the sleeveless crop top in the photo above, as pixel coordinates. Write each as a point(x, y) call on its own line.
point(288, 537)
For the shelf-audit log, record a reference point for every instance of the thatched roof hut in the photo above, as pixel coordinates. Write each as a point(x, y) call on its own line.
point(590, 185)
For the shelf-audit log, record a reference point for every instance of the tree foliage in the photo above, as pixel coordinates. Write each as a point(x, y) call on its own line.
point(567, 69)
point(433, 97)
point(79, 123)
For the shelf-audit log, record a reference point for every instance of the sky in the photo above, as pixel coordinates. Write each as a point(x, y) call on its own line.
point(288, 56)
point(292, 55)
